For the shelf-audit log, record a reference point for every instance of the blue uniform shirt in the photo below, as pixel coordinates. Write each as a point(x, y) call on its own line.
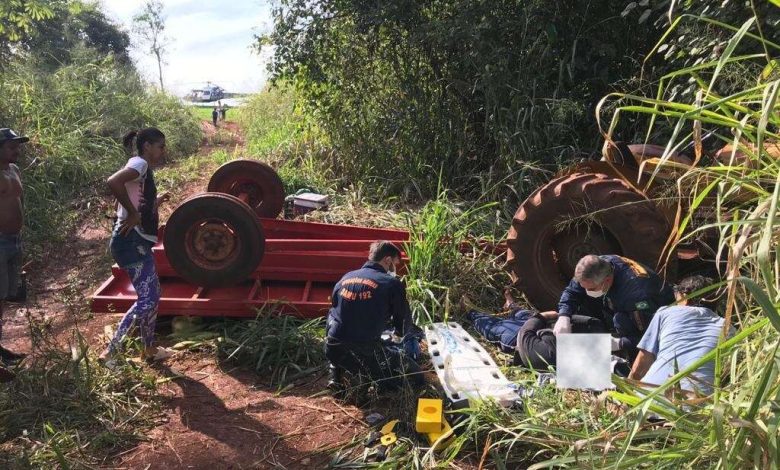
point(636, 293)
point(363, 303)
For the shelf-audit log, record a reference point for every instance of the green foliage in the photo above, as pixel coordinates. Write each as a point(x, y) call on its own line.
point(75, 118)
point(279, 347)
point(276, 131)
point(60, 29)
point(445, 262)
point(18, 17)
point(67, 411)
point(405, 90)
point(56, 41)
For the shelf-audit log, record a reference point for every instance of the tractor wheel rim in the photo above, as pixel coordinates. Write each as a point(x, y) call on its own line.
point(212, 244)
point(571, 244)
point(248, 191)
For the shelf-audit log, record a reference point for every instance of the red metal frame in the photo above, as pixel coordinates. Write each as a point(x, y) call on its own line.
point(302, 262)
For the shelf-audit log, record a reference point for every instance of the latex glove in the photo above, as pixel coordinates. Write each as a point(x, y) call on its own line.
point(563, 325)
point(615, 344)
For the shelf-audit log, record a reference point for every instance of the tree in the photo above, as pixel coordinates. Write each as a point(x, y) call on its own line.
point(149, 26)
point(51, 30)
point(463, 88)
point(55, 40)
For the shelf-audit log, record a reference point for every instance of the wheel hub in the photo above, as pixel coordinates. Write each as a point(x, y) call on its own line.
point(248, 192)
point(571, 245)
point(212, 244)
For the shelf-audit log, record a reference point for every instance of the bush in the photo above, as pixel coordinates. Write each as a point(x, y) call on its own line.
point(462, 88)
point(75, 118)
point(277, 132)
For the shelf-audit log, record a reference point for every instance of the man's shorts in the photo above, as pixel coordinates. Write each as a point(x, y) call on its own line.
point(10, 264)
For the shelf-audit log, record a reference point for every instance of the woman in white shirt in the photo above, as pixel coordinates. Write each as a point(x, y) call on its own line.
point(134, 235)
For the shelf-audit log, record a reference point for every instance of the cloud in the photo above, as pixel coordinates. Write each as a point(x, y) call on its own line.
point(211, 41)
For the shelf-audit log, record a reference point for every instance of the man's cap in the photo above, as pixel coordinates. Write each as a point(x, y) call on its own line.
point(7, 134)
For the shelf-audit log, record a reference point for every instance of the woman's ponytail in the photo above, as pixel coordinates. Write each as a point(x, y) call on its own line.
point(142, 136)
point(127, 140)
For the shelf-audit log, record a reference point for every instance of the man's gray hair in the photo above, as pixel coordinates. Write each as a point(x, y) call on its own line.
point(592, 268)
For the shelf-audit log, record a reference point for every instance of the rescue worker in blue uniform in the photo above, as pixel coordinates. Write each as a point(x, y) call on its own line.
point(621, 292)
point(364, 303)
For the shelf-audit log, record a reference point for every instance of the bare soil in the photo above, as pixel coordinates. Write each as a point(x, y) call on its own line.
point(214, 417)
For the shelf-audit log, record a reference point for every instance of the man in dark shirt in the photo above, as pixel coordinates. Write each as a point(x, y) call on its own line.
point(525, 333)
point(619, 291)
point(363, 303)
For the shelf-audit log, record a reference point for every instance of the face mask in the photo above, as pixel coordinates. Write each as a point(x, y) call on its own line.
point(392, 273)
point(594, 293)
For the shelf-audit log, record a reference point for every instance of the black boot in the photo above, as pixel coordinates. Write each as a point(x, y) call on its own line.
point(336, 380)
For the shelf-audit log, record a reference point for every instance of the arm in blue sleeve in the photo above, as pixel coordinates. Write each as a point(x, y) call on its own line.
point(571, 298)
point(399, 306)
point(650, 341)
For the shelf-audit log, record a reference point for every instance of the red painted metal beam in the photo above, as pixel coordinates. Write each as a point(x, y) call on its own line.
point(305, 299)
point(302, 262)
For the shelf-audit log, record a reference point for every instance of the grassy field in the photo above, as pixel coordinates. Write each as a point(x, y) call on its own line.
point(204, 112)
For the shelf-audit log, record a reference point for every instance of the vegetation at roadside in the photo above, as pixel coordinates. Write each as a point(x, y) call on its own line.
point(75, 112)
point(68, 411)
point(277, 133)
point(710, 78)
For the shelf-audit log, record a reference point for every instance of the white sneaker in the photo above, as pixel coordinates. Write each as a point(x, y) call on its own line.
point(162, 354)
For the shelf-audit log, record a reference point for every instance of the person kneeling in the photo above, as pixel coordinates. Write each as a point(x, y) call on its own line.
point(677, 337)
point(363, 303)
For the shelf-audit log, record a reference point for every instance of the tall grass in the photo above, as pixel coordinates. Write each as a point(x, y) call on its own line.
point(67, 411)
point(446, 260)
point(279, 134)
point(75, 118)
point(737, 197)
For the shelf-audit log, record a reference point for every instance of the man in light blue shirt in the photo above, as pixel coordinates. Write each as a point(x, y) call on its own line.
point(678, 336)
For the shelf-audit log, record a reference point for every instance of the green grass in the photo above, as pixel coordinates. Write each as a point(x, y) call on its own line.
point(67, 411)
point(204, 113)
point(75, 118)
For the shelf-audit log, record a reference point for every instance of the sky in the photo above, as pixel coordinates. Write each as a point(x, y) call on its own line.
point(210, 41)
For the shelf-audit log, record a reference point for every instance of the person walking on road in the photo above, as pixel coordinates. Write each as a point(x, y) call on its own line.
point(214, 116)
point(134, 235)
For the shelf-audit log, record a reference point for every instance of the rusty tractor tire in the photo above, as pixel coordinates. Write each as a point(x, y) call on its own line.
point(575, 215)
point(253, 182)
point(214, 240)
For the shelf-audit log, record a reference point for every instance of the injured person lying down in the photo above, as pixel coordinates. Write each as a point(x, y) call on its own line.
point(526, 334)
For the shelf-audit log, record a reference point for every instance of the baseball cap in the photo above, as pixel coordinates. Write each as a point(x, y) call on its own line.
point(7, 134)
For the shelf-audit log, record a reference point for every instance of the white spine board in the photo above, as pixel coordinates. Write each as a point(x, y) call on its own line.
point(466, 371)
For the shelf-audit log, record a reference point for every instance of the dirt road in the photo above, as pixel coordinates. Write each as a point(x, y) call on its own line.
point(215, 416)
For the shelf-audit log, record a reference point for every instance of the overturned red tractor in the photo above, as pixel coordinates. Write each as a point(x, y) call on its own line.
point(608, 206)
point(224, 252)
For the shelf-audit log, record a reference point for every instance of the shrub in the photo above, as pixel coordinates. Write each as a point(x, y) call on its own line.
point(75, 118)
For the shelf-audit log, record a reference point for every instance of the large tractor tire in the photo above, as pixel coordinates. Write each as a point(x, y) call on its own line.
point(254, 182)
point(573, 216)
point(214, 240)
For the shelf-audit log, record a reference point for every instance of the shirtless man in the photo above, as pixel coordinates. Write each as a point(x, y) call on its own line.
point(11, 221)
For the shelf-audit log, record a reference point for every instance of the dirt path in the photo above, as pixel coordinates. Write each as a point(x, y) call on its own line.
point(214, 417)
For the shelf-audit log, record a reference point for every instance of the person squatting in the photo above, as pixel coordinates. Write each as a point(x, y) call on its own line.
point(614, 294)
